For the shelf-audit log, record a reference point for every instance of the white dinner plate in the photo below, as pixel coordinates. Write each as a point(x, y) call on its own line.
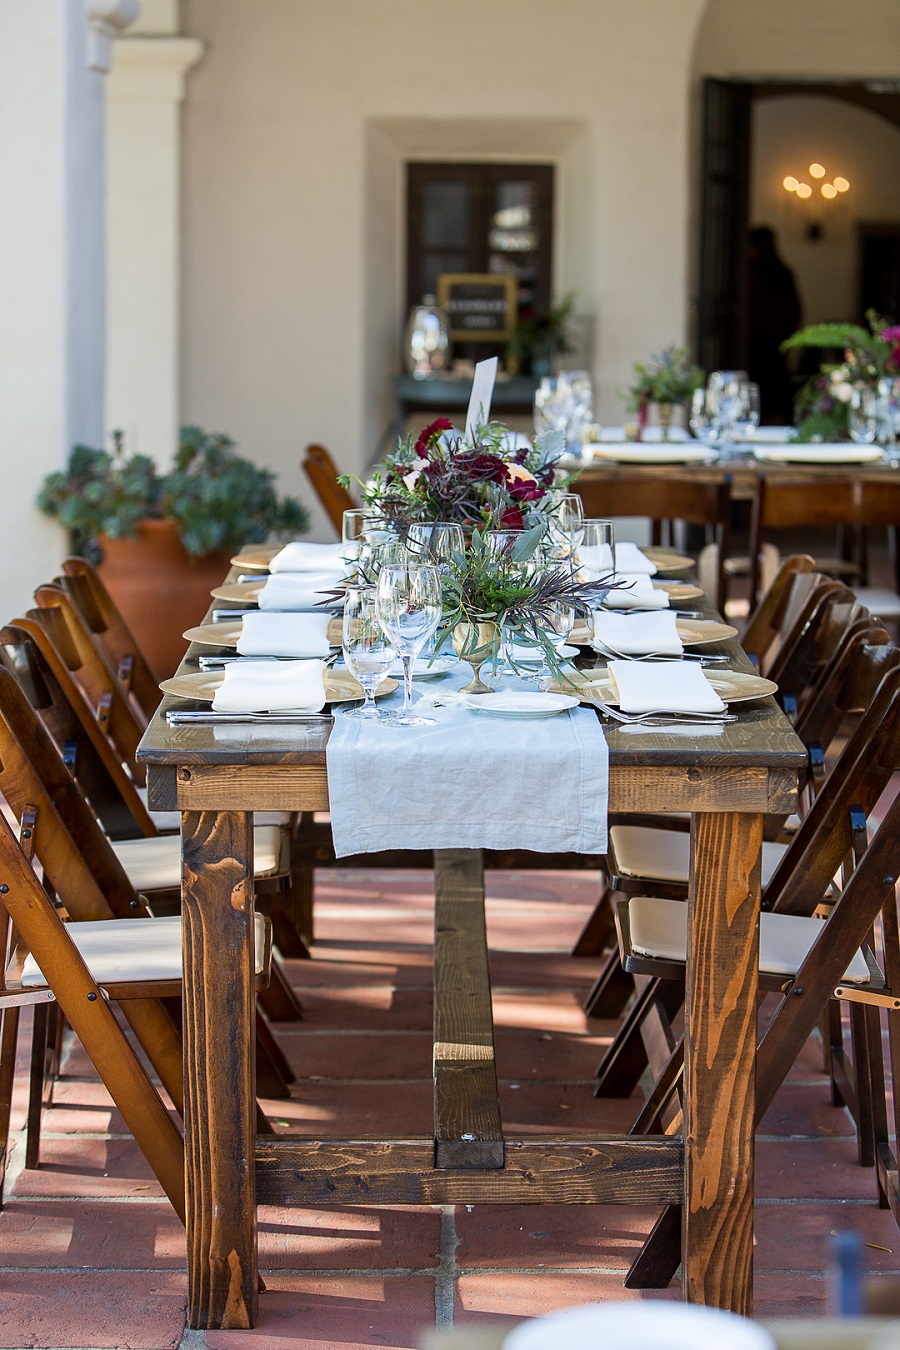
point(516, 703)
point(639, 1326)
point(840, 453)
point(653, 452)
point(423, 669)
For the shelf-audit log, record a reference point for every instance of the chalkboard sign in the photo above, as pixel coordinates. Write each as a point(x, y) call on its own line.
point(480, 306)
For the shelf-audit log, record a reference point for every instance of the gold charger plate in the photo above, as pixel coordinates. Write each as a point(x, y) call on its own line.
point(679, 590)
point(256, 559)
point(227, 634)
point(340, 686)
point(666, 561)
point(732, 686)
point(693, 632)
point(244, 592)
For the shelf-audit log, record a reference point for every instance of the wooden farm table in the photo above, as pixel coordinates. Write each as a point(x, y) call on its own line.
point(744, 471)
point(728, 783)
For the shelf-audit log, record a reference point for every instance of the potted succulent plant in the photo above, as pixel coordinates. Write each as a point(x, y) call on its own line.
point(163, 540)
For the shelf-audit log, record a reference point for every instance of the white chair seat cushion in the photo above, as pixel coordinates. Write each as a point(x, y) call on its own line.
point(116, 950)
point(170, 821)
point(880, 601)
point(659, 928)
point(665, 855)
point(155, 864)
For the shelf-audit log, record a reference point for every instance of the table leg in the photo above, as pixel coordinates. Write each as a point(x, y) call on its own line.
point(219, 1068)
point(720, 1060)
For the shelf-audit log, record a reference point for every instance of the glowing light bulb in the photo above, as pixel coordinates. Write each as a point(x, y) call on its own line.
point(842, 185)
point(790, 184)
point(804, 190)
point(829, 190)
point(817, 170)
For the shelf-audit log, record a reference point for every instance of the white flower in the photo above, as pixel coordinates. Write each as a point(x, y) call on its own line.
point(842, 391)
point(410, 479)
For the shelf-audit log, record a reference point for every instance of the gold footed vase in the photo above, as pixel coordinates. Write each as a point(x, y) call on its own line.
point(476, 643)
point(666, 412)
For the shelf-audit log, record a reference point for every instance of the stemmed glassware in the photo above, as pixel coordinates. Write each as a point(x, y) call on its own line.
point(597, 551)
point(566, 522)
point(863, 417)
point(747, 420)
point(704, 419)
point(435, 541)
point(408, 606)
point(728, 393)
point(368, 653)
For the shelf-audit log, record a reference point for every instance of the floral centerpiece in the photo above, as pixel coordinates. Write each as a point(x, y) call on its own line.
point(481, 485)
point(492, 595)
point(869, 356)
point(667, 379)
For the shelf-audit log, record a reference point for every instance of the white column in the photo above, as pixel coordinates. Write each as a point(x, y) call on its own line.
point(145, 91)
point(52, 265)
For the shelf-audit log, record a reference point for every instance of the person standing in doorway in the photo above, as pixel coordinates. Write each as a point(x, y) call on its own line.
point(773, 313)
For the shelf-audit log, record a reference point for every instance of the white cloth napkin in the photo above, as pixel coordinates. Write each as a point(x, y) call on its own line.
point(469, 781)
point(303, 636)
point(669, 687)
point(306, 557)
point(297, 590)
point(265, 686)
point(641, 594)
point(630, 561)
point(637, 634)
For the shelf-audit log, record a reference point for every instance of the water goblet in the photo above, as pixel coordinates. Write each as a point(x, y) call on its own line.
point(566, 522)
point(597, 553)
point(747, 420)
point(863, 417)
point(435, 541)
point(556, 625)
point(408, 606)
point(704, 418)
point(359, 526)
point(728, 391)
point(367, 652)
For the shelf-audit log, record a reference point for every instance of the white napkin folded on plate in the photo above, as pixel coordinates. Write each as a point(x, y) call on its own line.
point(297, 590)
point(632, 562)
point(265, 686)
point(303, 636)
point(306, 557)
point(641, 594)
point(637, 634)
point(671, 687)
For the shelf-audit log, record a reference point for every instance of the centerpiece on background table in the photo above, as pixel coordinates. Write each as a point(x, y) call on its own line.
point(667, 380)
point(871, 361)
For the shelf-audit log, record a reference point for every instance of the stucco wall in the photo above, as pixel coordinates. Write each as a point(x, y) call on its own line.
point(296, 126)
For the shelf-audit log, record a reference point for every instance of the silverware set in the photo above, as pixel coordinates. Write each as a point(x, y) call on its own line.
point(207, 718)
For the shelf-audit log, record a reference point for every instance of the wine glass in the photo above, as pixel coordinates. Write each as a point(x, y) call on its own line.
point(567, 521)
point(727, 389)
point(704, 419)
point(747, 420)
point(361, 525)
point(435, 541)
point(367, 652)
point(863, 417)
point(597, 552)
point(408, 606)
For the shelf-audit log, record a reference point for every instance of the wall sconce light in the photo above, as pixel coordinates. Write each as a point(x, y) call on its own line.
point(828, 191)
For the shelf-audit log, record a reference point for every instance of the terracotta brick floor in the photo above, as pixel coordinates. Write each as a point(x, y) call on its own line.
point(92, 1256)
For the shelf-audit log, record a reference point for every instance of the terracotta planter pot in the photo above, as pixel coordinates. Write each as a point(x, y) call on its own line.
point(159, 589)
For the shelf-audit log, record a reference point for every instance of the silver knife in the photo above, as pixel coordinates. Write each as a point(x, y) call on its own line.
point(200, 719)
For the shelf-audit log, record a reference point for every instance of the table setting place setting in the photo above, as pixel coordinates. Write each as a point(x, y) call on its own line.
point(461, 562)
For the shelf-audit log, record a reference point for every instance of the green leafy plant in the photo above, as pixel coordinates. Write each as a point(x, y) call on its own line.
point(821, 407)
point(668, 377)
point(515, 590)
point(540, 335)
point(217, 498)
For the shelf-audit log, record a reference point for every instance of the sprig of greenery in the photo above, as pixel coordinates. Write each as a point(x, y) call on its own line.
point(668, 377)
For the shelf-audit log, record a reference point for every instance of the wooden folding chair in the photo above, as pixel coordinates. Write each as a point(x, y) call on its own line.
point(69, 651)
point(664, 500)
point(103, 620)
point(837, 503)
point(831, 841)
point(322, 472)
point(83, 868)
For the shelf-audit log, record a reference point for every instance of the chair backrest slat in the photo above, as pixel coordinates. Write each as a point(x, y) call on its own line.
point(322, 472)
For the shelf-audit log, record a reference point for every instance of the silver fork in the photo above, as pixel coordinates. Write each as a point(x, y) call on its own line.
point(661, 718)
point(604, 649)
